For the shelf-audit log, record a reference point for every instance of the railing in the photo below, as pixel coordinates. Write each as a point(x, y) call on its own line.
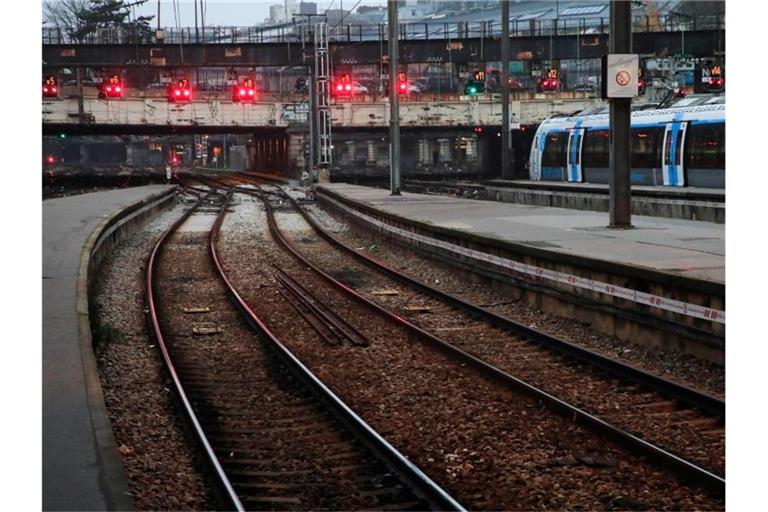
point(300, 32)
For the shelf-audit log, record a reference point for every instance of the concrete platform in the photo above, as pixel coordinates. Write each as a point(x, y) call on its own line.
point(685, 203)
point(687, 248)
point(81, 466)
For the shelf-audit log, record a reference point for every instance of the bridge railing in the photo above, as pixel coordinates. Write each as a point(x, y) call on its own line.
point(301, 32)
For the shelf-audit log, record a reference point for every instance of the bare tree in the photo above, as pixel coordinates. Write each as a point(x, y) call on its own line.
point(66, 16)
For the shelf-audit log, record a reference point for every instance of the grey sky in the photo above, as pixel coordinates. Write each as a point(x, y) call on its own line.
point(229, 12)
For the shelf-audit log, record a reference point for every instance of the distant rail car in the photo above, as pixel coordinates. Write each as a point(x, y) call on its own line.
point(678, 146)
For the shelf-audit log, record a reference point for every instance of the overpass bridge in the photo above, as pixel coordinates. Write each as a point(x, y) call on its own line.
point(243, 47)
point(152, 114)
point(447, 133)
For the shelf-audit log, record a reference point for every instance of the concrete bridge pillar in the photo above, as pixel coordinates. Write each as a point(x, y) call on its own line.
point(445, 150)
point(424, 151)
point(85, 153)
point(471, 149)
point(373, 153)
point(351, 152)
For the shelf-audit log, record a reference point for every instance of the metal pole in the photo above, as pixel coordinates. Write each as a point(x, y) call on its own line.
point(312, 114)
point(202, 22)
point(620, 41)
point(80, 105)
point(506, 172)
point(394, 101)
point(197, 32)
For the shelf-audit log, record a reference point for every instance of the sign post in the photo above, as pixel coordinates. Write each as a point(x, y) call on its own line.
point(620, 70)
point(506, 171)
point(394, 105)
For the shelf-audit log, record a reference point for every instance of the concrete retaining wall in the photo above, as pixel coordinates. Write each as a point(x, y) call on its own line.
point(97, 248)
point(630, 321)
point(689, 209)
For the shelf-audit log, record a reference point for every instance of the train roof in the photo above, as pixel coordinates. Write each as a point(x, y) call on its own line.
point(693, 107)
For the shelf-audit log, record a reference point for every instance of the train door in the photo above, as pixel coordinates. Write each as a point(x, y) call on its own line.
point(672, 156)
point(534, 162)
point(575, 141)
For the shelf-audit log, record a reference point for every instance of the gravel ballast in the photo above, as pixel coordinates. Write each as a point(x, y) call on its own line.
point(162, 472)
point(682, 368)
point(490, 447)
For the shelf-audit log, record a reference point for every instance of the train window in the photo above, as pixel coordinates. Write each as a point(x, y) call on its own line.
point(646, 150)
point(595, 149)
point(554, 149)
point(706, 146)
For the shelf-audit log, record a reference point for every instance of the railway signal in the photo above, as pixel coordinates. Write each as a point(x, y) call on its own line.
point(51, 87)
point(551, 81)
point(343, 86)
point(181, 91)
point(113, 87)
point(640, 82)
point(402, 83)
point(476, 85)
point(245, 92)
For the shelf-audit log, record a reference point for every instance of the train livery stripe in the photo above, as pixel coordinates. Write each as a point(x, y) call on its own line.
point(648, 299)
point(638, 125)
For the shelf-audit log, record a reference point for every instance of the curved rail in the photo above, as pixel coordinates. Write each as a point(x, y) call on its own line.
point(197, 427)
point(711, 481)
point(707, 403)
point(682, 393)
point(408, 471)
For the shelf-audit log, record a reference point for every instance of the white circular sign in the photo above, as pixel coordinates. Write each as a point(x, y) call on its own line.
point(623, 78)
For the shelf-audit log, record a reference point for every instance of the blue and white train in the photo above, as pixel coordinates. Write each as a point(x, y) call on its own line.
point(683, 145)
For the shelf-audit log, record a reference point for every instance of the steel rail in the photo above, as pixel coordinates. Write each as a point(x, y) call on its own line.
point(685, 394)
point(420, 483)
point(197, 427)
point(340, 327)
point(707, 479)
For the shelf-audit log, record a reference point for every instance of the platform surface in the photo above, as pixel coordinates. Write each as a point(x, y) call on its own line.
point(693, 249)
point(73, 472)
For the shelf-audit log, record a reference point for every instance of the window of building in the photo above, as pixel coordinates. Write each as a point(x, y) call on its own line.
point(583, 10)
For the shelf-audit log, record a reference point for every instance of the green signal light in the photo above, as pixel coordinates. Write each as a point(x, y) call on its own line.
point(62, 135)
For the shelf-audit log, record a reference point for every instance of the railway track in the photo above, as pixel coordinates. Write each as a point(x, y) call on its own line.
point(688, 421)
point(331, 367)
point(254, 408)
point(689, 424)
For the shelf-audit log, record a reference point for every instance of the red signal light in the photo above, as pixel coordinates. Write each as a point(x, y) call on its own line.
point(51, 159)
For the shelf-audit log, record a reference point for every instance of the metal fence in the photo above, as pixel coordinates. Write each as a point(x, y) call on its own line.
point(299, 32)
